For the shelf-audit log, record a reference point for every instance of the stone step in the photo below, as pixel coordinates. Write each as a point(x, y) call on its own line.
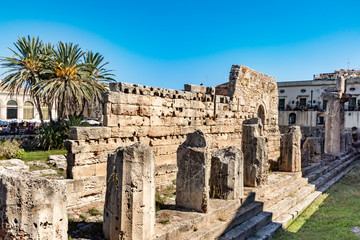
point(311, 168)
point(326, 168)
point(248, 228)
point(276, 181)
point(220, 225)
point(281, 193)
point(303, 198)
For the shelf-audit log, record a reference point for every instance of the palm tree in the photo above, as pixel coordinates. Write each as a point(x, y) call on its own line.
point(99, 74)
point(25, 69)
point(75, 81)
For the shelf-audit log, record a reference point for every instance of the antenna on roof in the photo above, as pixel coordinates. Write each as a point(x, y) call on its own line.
point(348, 63)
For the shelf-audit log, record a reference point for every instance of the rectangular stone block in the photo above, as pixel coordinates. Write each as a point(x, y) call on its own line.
point(192, 181)
point(290, 157)
point(87, 133)
point(129, 211)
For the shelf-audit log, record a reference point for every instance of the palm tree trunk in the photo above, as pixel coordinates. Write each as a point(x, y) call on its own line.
point(38, 107)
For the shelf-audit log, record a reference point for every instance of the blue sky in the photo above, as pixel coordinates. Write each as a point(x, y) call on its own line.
point(169, 43)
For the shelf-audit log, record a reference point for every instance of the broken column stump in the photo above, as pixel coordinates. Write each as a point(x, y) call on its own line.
point(313, 149)
point(255, 155)
point(348, 141)
point(226, 176)
point(129, 211)
point(32, 207)
point(290, 150)
point(192, 181)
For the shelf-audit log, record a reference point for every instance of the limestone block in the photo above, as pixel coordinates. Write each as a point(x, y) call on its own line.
point(129, 211)
point(226, 175)
point(58, 161)
point(195, 88)
point(125, 109)
point(304, 158)
point(313, 149)
point(32, 207)
point(192, 189)
point(348, 141)
point(14, 164)
point(290, 157)
point(255, 155)
point(87, 133)
point(76, 172)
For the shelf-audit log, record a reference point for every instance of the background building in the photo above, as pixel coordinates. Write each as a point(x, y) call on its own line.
point(300, 102)
point(20, 106)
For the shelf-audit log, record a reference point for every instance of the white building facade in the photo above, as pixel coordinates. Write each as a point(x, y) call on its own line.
point(20, 106)
point(300, 102)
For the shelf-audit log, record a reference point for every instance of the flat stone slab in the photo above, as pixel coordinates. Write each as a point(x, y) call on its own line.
point(14, 164)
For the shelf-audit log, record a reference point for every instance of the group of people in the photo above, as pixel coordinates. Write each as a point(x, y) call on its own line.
point(19, 128)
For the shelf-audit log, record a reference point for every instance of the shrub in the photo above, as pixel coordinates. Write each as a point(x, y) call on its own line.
point(10, 149)
point(53, 135)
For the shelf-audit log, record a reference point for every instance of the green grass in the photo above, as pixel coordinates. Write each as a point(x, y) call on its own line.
point(94, 212)
point(40, 155)
point(331, 215)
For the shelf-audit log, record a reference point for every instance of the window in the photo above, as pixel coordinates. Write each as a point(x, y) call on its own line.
point(281, 104)
point(292, 118)
point(352, 89)
point(28, 110)
point(324, 104)
point(352, 104)
point(320, 120)
point(11, 109)
point(45, 112)
point(302, 102)
point(282, 91)
point(303, 90)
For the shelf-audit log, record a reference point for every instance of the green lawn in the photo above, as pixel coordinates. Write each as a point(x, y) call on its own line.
point(332, 215)
point(40, 155)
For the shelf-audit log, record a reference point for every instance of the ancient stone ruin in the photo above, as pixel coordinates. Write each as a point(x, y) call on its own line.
point(129, 211)
point(255, 153)
point(334, 127)
point(215, 143)
point(226, 175)
point(290, 150)
point(192, 181)
point(31, 207)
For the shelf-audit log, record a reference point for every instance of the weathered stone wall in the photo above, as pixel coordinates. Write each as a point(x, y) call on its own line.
point(162, 118)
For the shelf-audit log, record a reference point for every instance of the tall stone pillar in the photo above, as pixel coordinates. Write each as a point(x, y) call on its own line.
point(129, 211)
point(255, 155)
point(290, 149)
point(335, 118)
point(192, 180)
point(226, 178)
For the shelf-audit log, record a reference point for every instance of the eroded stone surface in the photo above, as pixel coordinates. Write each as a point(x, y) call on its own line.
point(255, 154)
point(129, 211)
point(58, 161)
point(32, 207)
point(313, 148)
point(290, 158)
point(192, 181)
point(348, 141)
point(226, 177)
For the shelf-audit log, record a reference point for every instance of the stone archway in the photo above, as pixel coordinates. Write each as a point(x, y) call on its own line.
point(261, 113)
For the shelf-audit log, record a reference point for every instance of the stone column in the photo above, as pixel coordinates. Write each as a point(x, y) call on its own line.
point(192, 181)
point(129, 211)
point(290, 148)
point(334, 123)
point(312, 145)
point(32, 207)
point(255, 155)
point(226, 178)
point(348, 141)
